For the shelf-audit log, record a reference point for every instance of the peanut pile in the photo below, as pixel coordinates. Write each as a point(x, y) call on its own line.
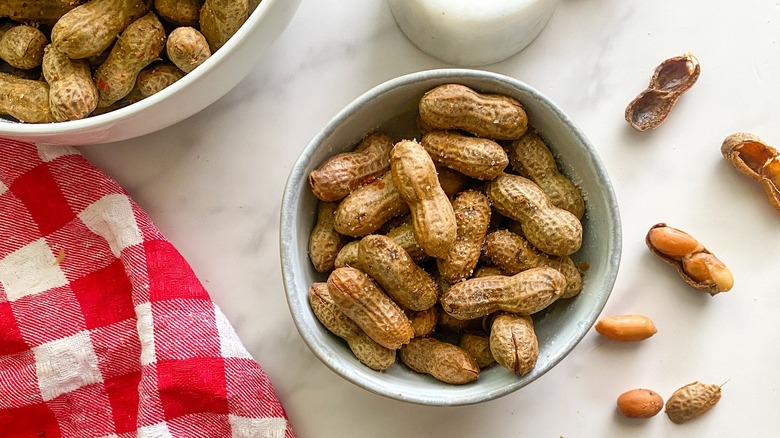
point(442, 249)
point(65, 60)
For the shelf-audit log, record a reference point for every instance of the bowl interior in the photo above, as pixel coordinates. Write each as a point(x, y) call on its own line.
point(392, 109)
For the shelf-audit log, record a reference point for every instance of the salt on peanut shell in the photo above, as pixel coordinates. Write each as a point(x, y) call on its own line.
point(551, 229)
point(493, 116)
point(365, 349)
point(366, 304)
point(531, 157)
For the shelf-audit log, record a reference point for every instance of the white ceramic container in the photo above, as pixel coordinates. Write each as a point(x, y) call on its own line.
point(392, 108)
point(469, 32)
point(197, 90)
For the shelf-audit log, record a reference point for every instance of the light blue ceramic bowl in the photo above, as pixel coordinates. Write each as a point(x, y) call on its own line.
point(392, 108)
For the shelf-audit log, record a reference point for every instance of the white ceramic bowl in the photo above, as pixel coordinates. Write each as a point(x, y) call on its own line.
point(392, 108)
point(197, 90)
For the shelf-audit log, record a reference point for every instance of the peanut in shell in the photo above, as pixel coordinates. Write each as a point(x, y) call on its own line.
point(475, 157)
point(446, 362)
point(513, 343)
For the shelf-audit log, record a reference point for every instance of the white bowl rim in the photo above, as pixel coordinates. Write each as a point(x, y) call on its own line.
point(321, 351)
point(111, 117)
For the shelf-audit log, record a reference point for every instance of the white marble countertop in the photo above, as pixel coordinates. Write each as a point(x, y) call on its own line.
point(213, 184)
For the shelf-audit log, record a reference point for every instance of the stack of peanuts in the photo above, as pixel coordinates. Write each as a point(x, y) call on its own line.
point(67, 59)
point(450, 253)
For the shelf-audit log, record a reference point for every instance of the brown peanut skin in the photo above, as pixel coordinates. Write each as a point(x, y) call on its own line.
point(753, 157)
point(423, 322)
point(685, 263)
point(512, 253)
point(139, 45)
point(369, 207)
point(25, 100)
point(365, 349)
point(91, 28)
point(692, 400)
point(374, 312)
point(513, 343)
point(72, 93)
point(552, 230)
point(639, 403)
point(472, 216)
point(156, 78)
point(324, 242)
point(525, 293)
point(187, 48)
point(22, 47)
point(389, 265)
point(220, 19)
point(433, 218)
point(179, 12)
point(453, 106)
point(477, 347)
point(626, 328)
point(478, 158)
point(446, 362)
point(38, 11)
point(531, 157)
point(339, 175)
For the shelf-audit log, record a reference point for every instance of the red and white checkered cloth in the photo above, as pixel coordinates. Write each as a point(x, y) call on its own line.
point(104, 328)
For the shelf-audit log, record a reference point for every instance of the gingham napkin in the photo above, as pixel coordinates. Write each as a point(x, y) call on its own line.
point(104, 328)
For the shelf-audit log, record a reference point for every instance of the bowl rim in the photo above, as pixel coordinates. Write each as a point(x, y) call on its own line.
point(111, 117)
point(296, 176)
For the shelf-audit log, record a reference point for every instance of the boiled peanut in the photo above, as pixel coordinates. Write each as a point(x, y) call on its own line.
point(525, 293)
point(488, 271)
point(363, 302)
point(639, 403)
point(449, 323)
point(339, 175)
point(365, 349)
point(423, 321)
point(324, 242)
point(452, 182)
point(433, 219)
point(472, 216)
point(220, 19)
point(692, 400)
point(477, 347)
point(512, 253)
point(22, 47)
point(92, 27)
point(39, 11)
point(179, 12)
point(24, 99)
point(756, 159)
point(187, 48)
point(553, 230)
point(389, 265)
point(368, 207)
point(348, 255)
point(670, 80)
point(478, 158)
point(404, 236)
point(532, 158)
point(513, 343)
point(139, 45)
point(154, 79)
point(446, 362)
point(493, 116)
point(695, 264)
point(626, 328)
point(72, 93)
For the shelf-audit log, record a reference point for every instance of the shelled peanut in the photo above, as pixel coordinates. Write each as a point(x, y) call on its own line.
point(419, 214)
point(89, 30)
point(695, 264)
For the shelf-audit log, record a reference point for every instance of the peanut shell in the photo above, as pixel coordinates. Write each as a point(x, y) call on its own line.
point(472, 216)
point(446, 362)
point(692, 400)
point(478, 158)
point(513, 343)
point(324, 242)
